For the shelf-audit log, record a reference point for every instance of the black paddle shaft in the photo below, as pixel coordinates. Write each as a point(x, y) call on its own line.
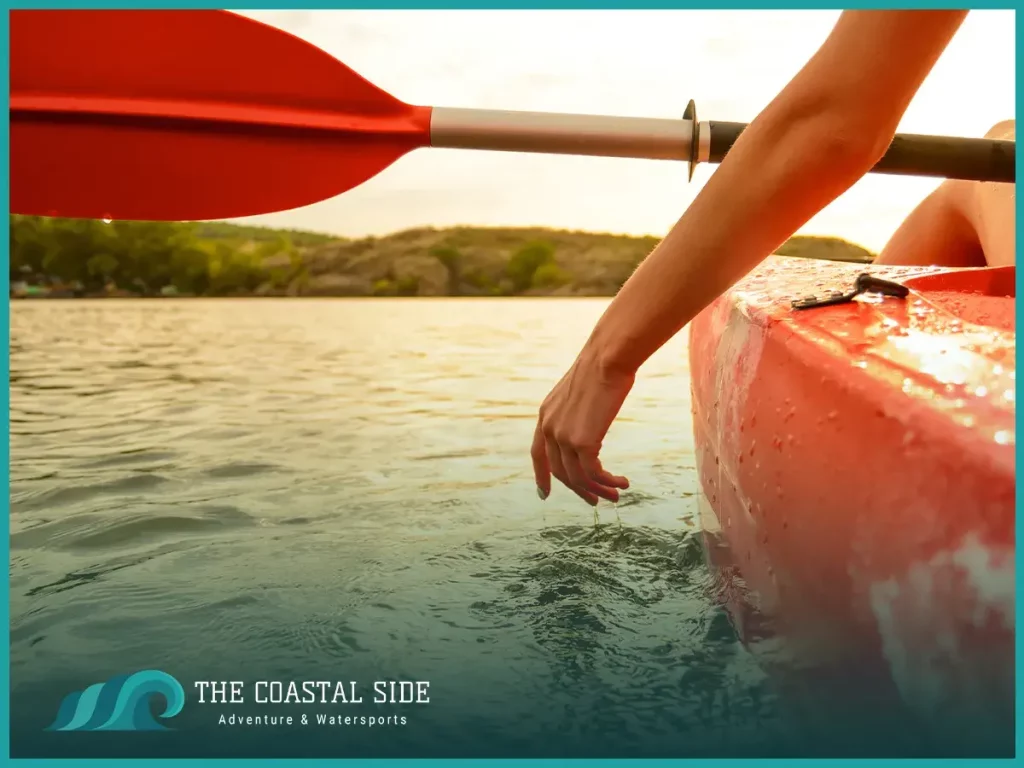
point(915, 155)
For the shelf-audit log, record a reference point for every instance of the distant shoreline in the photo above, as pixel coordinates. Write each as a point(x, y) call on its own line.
point(140, 297)
point(55, 258)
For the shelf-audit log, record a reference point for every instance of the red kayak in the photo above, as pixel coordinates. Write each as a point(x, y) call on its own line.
point(857, 457)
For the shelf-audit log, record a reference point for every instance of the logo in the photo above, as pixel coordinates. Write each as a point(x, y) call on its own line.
point(121, 704)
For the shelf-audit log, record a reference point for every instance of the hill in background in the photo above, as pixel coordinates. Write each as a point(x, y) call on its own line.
point(473, 261)
point(77, 257)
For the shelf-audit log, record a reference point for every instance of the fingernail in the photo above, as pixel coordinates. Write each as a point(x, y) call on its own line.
point(541, 493)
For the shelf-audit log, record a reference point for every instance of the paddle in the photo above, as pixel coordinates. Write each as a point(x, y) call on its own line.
point(201, 114)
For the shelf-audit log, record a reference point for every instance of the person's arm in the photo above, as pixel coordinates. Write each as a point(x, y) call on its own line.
point(824, 131)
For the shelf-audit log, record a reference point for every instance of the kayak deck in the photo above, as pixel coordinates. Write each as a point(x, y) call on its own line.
point(858, 464)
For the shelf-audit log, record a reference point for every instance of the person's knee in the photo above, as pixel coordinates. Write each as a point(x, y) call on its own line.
point(992, 209)
point(955, 197)
point(1002, 130)
point(961, 223)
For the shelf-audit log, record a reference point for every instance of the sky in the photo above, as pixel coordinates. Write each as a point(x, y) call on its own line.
point(633, 63)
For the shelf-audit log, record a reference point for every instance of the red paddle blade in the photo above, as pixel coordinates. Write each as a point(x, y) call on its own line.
point(184, 115)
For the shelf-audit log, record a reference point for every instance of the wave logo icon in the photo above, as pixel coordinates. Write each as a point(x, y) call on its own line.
point(121, 704)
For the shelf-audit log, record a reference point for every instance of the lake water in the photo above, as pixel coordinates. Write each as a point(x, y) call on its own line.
point(341, 490)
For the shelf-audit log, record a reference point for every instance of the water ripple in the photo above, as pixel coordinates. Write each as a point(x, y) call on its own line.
point(294, 483)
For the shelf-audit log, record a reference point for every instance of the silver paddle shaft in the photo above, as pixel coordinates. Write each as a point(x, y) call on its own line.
point(694, 141)
point(550, 133)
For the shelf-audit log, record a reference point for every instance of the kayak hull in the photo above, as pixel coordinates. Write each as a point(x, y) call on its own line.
point(857, 464)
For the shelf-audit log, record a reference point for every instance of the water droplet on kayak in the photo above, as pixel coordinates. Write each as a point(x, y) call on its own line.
point(908, 384)
point(751, 451)
point(1004, 437)
point(107, 219)
point(777, 443)
point(832, 415)
point(981, 391)
point(1009, 395)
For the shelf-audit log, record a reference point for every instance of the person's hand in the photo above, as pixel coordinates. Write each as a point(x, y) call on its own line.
point(573, 421)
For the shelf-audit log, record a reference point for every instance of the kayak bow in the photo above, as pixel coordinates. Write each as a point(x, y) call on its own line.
point(858, 467)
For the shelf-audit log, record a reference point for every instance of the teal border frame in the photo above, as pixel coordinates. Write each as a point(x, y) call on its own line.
point(426, 5)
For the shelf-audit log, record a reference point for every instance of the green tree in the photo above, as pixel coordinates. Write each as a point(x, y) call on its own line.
point(526, 261)
point(281, 260)
point(407, 285)
point(101, 266)
point(384, 287)
point(549, 275)
point(145, 250)
point(451, 259)
point(477, 279)
point(233, 272)
point(145, 256)
point(29, 241)
point(190, 270)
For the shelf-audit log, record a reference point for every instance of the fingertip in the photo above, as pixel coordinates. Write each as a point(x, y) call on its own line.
point(543, 494)
point(612, 481)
